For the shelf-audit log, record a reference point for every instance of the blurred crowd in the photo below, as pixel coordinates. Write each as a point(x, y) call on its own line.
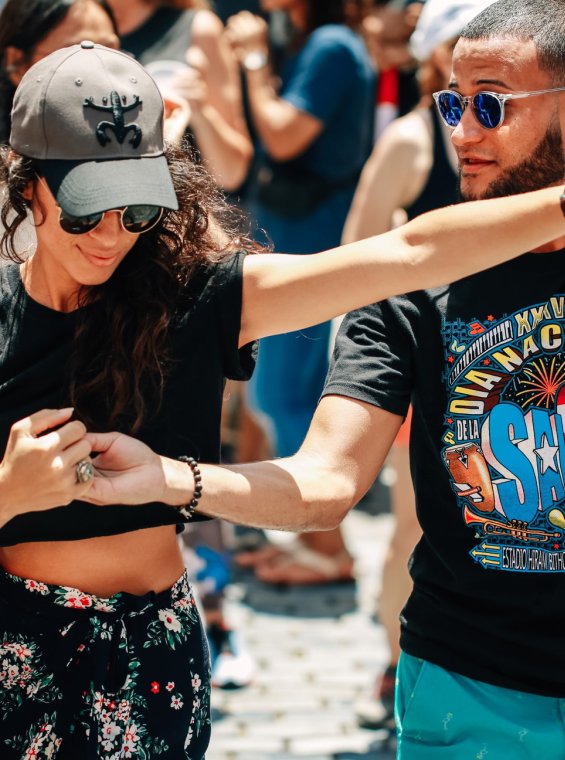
point(316, 118)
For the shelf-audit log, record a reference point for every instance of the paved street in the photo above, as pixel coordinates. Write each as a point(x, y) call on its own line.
point(317, 650)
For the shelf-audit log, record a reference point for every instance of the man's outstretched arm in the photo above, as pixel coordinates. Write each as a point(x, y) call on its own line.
point(343, 452)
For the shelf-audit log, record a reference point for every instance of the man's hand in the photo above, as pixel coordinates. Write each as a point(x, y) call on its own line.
point(126, 471)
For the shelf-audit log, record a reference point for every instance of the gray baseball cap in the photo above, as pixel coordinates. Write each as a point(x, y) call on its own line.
point(93, 118)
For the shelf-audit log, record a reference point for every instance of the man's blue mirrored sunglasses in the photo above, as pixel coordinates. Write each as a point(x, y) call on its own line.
point(488, 107)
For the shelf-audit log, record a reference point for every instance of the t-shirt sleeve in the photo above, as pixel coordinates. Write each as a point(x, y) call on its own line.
point(238, 363)
point(371, 361)
point(322, 78)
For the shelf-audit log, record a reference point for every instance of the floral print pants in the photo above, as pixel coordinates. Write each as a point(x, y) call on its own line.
point(82, 677)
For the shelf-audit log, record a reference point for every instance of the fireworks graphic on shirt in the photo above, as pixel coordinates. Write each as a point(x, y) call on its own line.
point(538, 383)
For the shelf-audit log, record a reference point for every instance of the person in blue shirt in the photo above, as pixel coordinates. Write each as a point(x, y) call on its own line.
point(314, 131)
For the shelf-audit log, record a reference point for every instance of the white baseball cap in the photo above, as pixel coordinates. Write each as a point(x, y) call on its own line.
point(440, 21)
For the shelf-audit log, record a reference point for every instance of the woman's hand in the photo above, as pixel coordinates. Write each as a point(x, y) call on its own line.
point(38, 470)
point(126, 471)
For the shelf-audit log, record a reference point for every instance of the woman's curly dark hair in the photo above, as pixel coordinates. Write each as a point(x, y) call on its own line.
point(121, 358)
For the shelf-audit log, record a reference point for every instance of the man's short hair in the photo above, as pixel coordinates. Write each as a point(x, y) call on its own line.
point(542, 21)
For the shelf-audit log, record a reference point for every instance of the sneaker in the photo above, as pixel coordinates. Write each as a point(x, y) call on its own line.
point(233, 667)
point(377, 712)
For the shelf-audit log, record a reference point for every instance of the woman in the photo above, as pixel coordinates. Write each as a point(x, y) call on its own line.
point(181, 42)
point(31, 30)
point(132, 311)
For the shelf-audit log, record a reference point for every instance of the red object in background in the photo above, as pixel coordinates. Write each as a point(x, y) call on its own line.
point(387, 100)
point(388, 87)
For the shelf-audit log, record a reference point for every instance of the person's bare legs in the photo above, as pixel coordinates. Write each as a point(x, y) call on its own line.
point(378, 711)
point(280, 564)
point(328, 542)
point(314, 557)
point(253, 441)
point(396, 581)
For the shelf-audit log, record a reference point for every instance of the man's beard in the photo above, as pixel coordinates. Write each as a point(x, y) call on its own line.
point(543, 168)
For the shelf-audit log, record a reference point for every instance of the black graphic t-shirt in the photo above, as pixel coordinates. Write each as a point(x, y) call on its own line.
point(35, 348)
point(483, 362)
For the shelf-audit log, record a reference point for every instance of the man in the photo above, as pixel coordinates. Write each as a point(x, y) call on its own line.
point(483, 361)
point(481, 675)
point(487, 432)
point(482, 633)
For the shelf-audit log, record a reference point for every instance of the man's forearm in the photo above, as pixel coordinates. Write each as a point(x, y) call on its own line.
point(299, 493)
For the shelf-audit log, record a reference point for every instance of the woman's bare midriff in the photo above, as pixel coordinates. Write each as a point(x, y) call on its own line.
point(137, 562)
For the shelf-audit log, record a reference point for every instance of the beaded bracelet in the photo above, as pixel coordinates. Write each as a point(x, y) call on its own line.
point(187, 510)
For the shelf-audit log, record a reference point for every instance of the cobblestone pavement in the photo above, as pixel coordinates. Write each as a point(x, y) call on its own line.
point(318, 650)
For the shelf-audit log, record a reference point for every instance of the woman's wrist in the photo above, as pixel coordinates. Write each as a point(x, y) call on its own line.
point(7, 507)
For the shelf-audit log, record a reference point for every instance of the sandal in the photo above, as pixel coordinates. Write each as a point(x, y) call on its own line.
point(300, 566)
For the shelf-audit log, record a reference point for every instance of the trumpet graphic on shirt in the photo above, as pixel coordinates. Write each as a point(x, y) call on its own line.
point(470, 474)
point(516, 528)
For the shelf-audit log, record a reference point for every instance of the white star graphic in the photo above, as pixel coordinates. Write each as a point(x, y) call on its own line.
point(546, 454)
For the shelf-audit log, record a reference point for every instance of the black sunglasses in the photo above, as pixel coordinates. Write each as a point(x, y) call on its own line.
point(488, 107)
point(134, 219)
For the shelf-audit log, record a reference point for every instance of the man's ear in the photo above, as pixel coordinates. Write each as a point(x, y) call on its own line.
point(15, 64)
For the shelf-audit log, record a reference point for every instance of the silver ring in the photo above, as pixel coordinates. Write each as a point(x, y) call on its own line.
point(84, 471)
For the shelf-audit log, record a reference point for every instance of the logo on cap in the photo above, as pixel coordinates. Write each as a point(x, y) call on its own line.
point(117, 108)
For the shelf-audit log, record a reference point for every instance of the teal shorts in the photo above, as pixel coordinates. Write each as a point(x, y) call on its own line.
point(441, 715)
